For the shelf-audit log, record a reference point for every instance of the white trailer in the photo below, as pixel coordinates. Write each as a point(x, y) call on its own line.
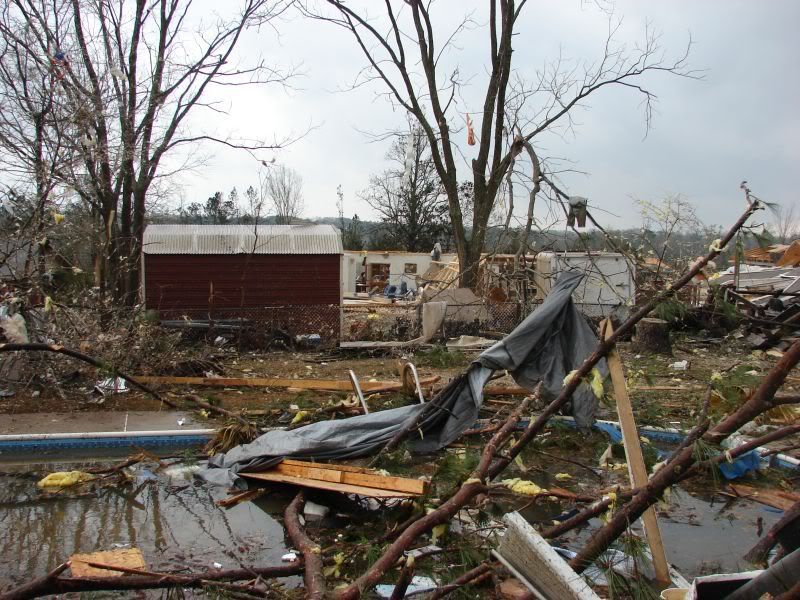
point(608, 287)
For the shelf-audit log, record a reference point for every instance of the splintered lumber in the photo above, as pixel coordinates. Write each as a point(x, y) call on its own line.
point(531, 559)
point(633, 451)
point(322, 385)
point(341, 478)
point(130, 558)
point(775, 498)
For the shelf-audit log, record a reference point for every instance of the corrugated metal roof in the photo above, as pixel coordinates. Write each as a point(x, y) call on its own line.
point(242, 239)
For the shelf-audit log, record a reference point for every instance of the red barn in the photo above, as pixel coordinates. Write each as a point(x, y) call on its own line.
point(284, 275)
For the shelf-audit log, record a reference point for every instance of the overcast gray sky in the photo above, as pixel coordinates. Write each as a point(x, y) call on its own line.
point(740, 122)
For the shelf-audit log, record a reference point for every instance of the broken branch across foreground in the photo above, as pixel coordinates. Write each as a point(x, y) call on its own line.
point(312, 553)
point(476, 484)
point(52, 583)
point(758, 554)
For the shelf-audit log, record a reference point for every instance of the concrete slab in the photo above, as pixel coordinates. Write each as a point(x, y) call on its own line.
point(97, 421)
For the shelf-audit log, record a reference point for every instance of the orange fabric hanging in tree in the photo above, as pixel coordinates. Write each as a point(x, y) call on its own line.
point(470, 132)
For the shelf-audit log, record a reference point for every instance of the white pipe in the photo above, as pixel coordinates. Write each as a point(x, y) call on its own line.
point(416, 381)
point(357, 388)
point(24, 437)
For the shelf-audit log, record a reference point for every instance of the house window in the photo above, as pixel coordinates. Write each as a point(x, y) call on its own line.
point(410, 268)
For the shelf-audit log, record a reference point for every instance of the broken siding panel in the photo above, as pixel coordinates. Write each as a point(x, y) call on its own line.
point(178, 282)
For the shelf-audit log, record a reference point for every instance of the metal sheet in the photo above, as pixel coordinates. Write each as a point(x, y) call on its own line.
point(242, 239)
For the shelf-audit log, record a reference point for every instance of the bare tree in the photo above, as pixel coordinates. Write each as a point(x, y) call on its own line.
point(785, 222)
point(131, 73)
point(403, 48)
point(283, 188)
point(408, 197)
point(32, 146)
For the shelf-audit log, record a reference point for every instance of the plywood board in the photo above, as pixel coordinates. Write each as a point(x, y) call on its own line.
point(130, 558)
point(343, 488)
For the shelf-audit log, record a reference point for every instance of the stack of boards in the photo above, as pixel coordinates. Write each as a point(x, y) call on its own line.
point(341, 478)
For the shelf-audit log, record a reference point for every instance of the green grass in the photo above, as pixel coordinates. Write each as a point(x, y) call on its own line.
point(439, 358)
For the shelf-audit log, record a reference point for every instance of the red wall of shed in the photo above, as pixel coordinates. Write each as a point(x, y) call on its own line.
point(184, 281)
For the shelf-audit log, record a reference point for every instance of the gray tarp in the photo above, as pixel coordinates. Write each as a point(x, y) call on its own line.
point(552, 341)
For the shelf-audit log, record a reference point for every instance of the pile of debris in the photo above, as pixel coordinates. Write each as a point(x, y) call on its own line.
point(768, 299)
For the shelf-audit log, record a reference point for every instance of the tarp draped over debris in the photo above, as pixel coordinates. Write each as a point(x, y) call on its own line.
point(551, 342)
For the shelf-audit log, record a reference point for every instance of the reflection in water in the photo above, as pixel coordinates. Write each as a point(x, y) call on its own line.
point(174, 522)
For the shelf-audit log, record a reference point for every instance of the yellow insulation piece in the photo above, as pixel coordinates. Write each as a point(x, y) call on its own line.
point(64, 479)
point(522, 486)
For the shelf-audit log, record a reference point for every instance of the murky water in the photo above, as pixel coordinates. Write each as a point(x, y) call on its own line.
point(701, 536)
point(173, 520)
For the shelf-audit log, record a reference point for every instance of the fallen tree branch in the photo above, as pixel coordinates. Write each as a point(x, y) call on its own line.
point(312, 553)
point(469, 489)
point(403, 581)
point(480, 573)
point(35, 347)
point(37, 587)
point(53, 584)
point(757, 555)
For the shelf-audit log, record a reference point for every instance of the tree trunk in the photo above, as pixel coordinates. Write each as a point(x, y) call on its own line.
point(134, 258)
point(652, 337)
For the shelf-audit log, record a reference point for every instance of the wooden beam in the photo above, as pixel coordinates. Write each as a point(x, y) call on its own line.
point(357, 480)
point(329, 385)
point(331, 486)
point(334, 473)
point(633, 451)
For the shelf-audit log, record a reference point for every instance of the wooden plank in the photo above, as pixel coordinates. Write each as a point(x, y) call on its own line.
point(781, 499)
point(633, 451)
point(130, 558)
point(343, 488)
point(306, 384)
point(333, 473)
point(348, 468)
point(400, 484)
point(309, 473)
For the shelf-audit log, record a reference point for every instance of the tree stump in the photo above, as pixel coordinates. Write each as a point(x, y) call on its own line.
point(652, 336)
